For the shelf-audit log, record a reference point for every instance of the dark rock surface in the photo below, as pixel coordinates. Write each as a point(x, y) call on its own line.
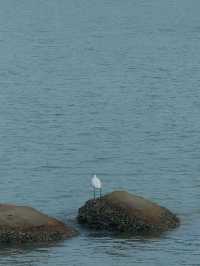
point(21, 224)
point(120, 211)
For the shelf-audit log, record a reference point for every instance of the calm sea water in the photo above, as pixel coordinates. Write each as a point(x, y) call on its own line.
point(106, 87)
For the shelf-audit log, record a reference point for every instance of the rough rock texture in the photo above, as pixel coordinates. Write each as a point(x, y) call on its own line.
point(123, 212)
point(20, 224)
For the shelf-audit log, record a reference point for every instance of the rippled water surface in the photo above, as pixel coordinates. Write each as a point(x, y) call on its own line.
point(106, 87)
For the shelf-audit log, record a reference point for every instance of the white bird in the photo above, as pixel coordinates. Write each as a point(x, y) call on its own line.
point(96, 183)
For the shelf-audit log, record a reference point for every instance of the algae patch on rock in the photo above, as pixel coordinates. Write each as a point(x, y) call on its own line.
point(121, 211)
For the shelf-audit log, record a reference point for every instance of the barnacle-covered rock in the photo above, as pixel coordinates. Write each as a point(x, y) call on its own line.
point(121, 211)
point(21, 224)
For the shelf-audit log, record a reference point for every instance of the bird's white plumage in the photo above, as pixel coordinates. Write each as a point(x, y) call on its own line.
point(96, 182)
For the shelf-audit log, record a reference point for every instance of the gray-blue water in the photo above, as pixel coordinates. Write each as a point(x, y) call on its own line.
point(106, 87)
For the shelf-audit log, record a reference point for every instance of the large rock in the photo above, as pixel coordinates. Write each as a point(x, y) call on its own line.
point(123, 212)
point(21, 224)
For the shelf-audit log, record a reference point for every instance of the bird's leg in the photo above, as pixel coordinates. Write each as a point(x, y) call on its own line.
point(94, 193)
point(100, 192)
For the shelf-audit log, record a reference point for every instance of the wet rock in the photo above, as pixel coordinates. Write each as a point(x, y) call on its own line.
point(21, 224)
point(121, 211)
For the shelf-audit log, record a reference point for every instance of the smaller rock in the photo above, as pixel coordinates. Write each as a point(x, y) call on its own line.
point(21, 224)
point(121, 211)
